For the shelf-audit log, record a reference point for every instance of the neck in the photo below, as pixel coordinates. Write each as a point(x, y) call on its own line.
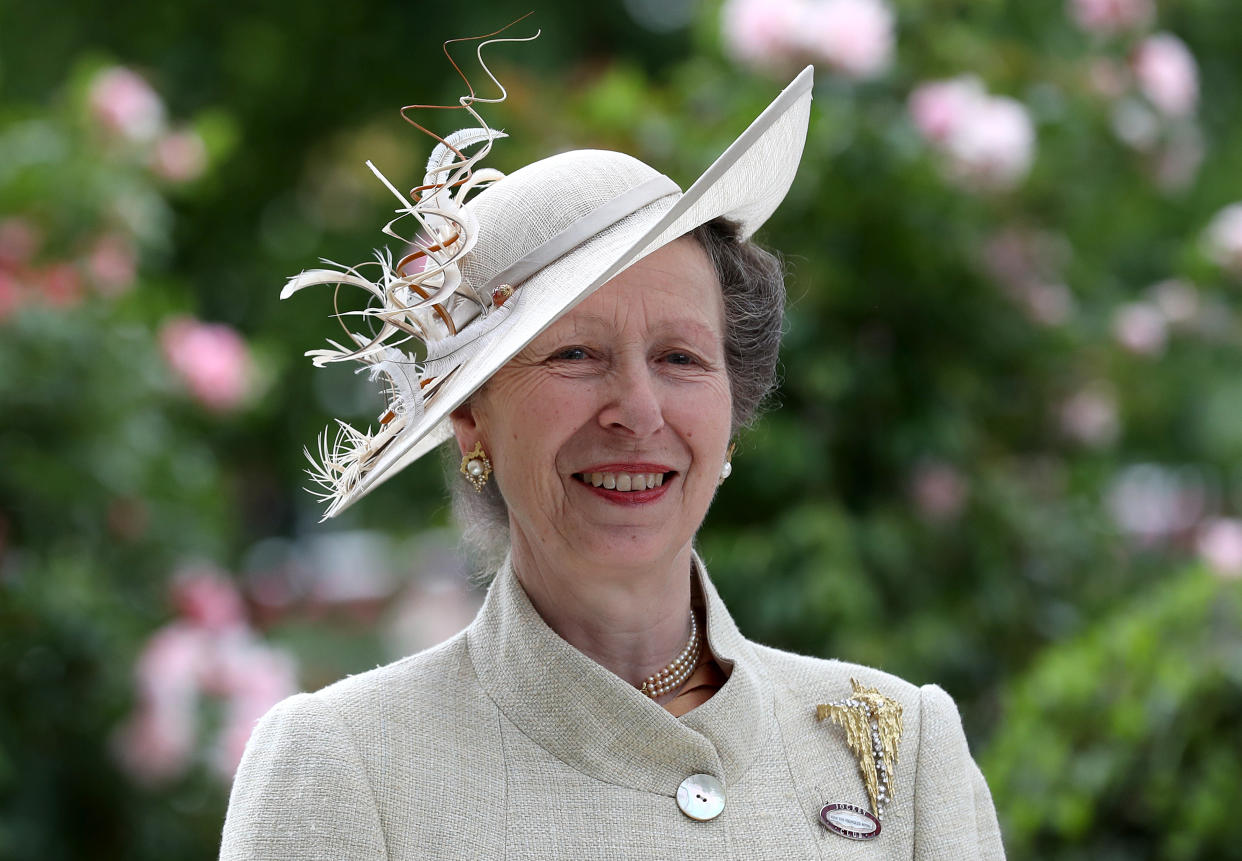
point(632, 620)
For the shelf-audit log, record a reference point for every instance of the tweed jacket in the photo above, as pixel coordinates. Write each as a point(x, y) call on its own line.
point(507, 742)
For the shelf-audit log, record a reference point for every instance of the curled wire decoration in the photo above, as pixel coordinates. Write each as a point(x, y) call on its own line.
point(422, 296)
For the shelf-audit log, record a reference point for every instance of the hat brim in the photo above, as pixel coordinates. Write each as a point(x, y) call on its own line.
point(745, 184)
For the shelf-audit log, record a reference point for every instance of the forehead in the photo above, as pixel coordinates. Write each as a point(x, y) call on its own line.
point(674, 285)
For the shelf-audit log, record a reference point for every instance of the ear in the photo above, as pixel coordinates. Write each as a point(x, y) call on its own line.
point(466, 427)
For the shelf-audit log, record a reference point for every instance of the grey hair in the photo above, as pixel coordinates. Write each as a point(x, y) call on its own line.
point(752, 282)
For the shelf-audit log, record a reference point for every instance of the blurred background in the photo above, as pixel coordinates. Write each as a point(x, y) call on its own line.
point(1007, 456)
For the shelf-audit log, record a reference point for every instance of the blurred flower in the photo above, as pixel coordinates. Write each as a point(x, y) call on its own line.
point(1154, 503)
point(939, 491)
point(1107, 17)
point(854, 37)
point(156, 743)
point(59, 285)
point(19, 240)
point(1140, 328)
point(1028, 263)
point(122, 102)
point(209, 650)
point(112, 264)
point(1050, 304)
point(1090, 416)
point(988, 141)
point(761, 32)
point(940, 107)
point(10, 295)
point(252, 677)
point(1177, 300)
point(210, 358)
point(1220, 546)
point(207, 598)
point(1167, 74)
point(179, 156)
point(1223, 238)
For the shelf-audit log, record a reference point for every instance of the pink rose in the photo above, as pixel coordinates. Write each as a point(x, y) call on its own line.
point(157, 742)
point(1223, 238)
point(1177, 300)
point(988, 142)
point(179, 156)
point(761, 32)
point(112, 264)
point(60, 285)
point(994, 146)
point(123, 103)
point(1140, 328)
point(1090, 416)
point(1049, 304)
point(855, 37)
point(1154, 503)
point(1167, 74)
point(210, 358)
point(19, 240)
point(939, 108)
point(208, 599)
point(1107, 17)
point(1220, 546)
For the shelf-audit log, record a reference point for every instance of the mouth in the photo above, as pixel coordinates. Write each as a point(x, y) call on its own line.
point(625, 482)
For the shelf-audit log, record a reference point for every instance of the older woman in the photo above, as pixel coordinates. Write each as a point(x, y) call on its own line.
point(594, 340)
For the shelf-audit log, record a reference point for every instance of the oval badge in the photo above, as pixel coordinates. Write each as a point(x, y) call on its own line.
point(849, 820)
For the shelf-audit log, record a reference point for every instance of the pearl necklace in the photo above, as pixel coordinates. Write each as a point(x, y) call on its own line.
point(676, 673)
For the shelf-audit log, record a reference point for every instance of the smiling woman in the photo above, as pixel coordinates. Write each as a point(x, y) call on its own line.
point(594, 339)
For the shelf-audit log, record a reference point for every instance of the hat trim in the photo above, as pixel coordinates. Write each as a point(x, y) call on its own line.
point(603, 216)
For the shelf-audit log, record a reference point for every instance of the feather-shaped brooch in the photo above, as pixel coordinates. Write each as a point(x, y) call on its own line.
point(872, 724)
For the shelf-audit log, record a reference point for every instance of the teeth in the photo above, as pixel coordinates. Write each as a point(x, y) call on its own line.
point(624, 481)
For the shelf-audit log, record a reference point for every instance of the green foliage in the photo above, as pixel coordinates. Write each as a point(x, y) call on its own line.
point(1117, 744)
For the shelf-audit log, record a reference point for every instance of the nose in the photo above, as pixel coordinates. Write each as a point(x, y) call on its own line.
point(632, 403)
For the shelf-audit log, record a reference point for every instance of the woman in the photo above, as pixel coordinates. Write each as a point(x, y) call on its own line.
point(594, 339)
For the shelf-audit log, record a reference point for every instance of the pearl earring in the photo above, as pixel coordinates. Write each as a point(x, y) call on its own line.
point(476, 467)
point(727, 469)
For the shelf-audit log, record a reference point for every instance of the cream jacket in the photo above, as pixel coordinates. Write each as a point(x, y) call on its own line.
point(506, 742)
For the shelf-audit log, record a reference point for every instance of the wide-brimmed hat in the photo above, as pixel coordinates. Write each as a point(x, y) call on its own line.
point(486, 275)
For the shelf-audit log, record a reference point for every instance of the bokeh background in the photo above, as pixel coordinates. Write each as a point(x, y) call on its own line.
point(1007, 455)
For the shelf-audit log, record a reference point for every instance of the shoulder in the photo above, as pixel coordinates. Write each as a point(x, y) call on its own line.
point(932, 723)
point(368, 711)
point(826, 680)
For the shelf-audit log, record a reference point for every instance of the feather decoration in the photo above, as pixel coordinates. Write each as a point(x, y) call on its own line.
point(430, 301)
point(873, 727)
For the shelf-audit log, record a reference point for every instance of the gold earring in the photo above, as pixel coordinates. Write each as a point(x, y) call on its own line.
point(727, 469)
point(476, 467)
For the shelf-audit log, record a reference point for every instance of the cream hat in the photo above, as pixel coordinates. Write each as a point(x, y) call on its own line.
point(500, 268)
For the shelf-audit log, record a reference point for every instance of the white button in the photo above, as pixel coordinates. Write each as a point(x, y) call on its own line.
point(701, 797)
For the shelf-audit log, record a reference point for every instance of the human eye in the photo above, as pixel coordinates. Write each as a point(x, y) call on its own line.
point(680, 357)
point(571, 354)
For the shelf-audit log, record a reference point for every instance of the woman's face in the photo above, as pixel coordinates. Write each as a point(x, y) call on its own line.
point(608, 432)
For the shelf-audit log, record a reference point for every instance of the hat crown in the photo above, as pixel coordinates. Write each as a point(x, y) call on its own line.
point(540, 200)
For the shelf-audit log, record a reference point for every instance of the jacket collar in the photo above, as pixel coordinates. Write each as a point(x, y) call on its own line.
point(597, 723)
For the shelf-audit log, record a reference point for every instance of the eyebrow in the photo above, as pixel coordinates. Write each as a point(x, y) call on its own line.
point(692, 325)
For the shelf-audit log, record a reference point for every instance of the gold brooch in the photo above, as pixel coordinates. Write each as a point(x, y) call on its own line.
point(872, 724)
